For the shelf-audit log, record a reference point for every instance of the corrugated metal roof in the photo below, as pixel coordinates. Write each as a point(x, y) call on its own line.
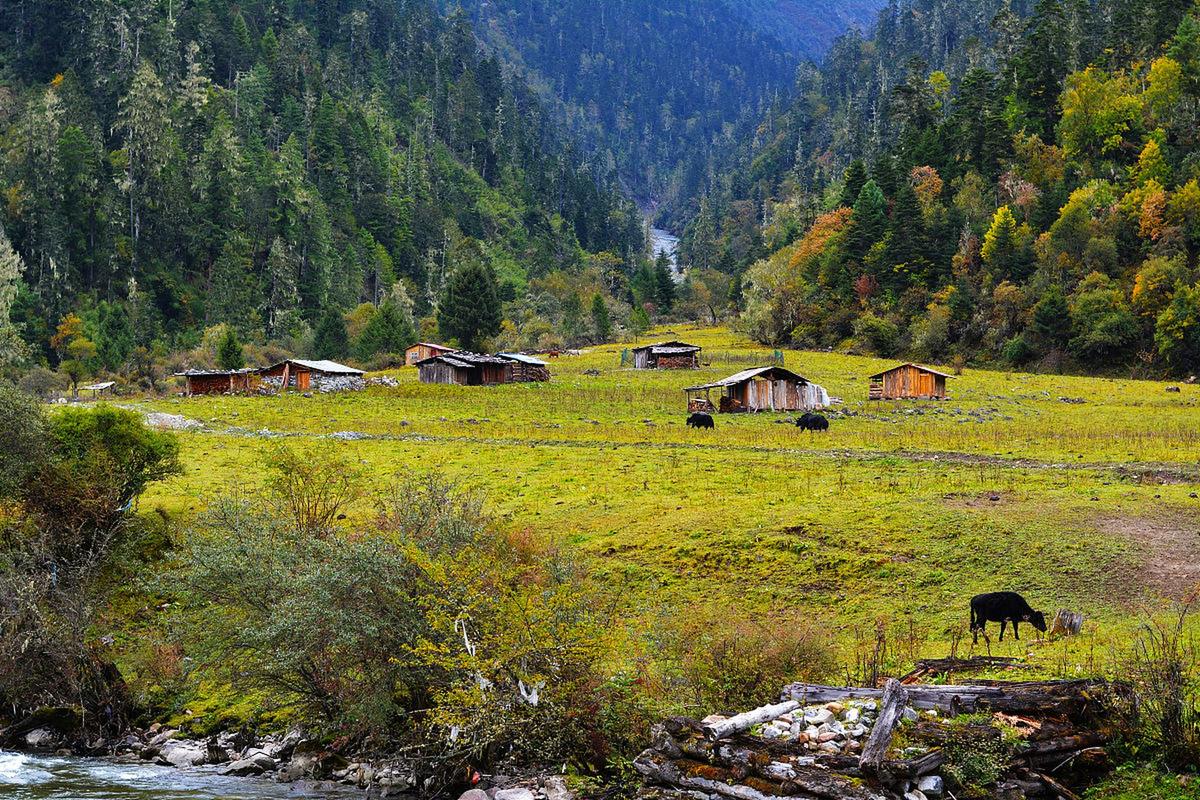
point(201, 373)
point(681, 347)
point(320, 366)
point(447, 348)
point(749, 374)
point(524, 359)
point(910, 364)
point(461, 358)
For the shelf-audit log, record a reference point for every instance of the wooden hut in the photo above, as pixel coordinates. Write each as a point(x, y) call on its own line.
point(466, 369)
point(527, 369)
point(909, 382)
point(324, 376)
point(758, 389)
point(204, 381)
point(667, 355)
point(423, 350)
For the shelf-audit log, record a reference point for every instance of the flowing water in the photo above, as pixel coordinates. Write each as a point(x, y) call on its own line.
point(663, 242)
point(67, 778)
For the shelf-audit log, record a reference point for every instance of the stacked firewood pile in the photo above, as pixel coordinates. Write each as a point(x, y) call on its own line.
point(907, 740)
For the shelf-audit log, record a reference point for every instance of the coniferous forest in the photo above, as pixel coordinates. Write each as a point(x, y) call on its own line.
point(285, 170)
point(996, 181)
point(988, 181)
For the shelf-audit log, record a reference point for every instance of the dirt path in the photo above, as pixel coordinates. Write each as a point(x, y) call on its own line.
point(1170, 547)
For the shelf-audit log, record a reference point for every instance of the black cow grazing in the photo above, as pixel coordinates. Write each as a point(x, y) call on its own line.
point(699, 420)
point(812, 422)
point(1002, 607)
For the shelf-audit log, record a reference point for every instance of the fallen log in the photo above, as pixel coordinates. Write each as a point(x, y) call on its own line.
point(932, 667)
point(1044, 698)
point(744, 722)
point(891, 709)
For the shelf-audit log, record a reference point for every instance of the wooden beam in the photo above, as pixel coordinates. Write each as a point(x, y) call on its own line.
point(744, 722)
point(891, 710)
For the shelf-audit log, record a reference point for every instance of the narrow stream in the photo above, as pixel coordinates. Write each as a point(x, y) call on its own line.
point(68, 778)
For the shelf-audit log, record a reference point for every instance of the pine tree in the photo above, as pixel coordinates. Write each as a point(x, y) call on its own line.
point(330, 340)
point(388, 331)
point(470, 309)
point(1001, 248)
point(601, 323)
point(283, 316)
point(229, 351)
point(868, 221)
point(232, 290)
point(664, 283)
point(853, 182)
point(12, 349)
point(572, 319)
point(1051, 322)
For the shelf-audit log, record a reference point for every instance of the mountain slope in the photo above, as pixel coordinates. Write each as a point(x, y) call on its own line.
point(809, 28)
point(168, 167)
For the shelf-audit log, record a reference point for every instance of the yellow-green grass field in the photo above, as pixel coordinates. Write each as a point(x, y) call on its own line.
point(901, 512)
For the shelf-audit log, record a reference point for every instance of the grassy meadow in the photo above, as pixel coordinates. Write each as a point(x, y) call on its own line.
point(893, 519)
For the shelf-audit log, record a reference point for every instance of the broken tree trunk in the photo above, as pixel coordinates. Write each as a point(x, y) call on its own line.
point(744, 722)
point(891, 709)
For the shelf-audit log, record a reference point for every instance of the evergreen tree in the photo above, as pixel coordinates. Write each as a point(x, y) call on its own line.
point(283, 316)
point(664, 283)
point(388, 331)
point(330, 341)
point(601, 323)
point(853, 182)
point(470, 309)
point(12, 349)
point(572, 318)
point(868, 221)
point(229, 351)
point(1050, 326)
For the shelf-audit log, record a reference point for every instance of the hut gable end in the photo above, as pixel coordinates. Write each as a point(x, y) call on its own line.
point(908, 382)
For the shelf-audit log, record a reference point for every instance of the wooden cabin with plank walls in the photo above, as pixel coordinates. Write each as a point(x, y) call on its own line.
point(465, 369)
point(307, 376)
point(204, 382)
point(527, 369)
point(758, 389)
point(423, 350)
point(667, 355)
point(908, 382)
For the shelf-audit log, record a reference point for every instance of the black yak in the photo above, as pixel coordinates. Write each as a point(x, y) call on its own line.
point(1003, 607)
point(699, 420)
point(812, 422)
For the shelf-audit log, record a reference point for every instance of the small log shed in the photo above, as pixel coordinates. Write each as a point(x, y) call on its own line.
point(202, 381)
point(667, 355)
point(908, 382)
point(466, 369)
point(423, 350)
point(758, 389)
point(302, 375)
point(527, 369)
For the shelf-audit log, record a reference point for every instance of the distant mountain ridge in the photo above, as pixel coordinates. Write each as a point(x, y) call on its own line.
point(662, 90)
point(807, 27)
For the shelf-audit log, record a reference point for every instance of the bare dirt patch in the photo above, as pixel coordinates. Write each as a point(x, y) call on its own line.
point(978, 499)
point(1169, 544)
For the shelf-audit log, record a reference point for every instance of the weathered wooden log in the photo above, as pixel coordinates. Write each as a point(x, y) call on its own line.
point(913, 768)
point(747, 720)
point(1062, 745)
point(1032, 698)
point(891, 709)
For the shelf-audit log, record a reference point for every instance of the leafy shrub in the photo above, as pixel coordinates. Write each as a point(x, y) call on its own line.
point(729, 660)
point(879, 335)
point(80, 472)
point(425, 626)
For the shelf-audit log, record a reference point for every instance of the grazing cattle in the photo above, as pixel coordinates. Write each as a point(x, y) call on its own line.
point(699, 420)
point(1002, 607)
point(812, 422)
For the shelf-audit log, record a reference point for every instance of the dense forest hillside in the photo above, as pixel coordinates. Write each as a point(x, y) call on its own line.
point(171, 167)
point(806, 27)
point(658, 91)
point(982, 181)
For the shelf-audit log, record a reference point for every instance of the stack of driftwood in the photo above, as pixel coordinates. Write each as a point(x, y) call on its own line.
point(1042, 736)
